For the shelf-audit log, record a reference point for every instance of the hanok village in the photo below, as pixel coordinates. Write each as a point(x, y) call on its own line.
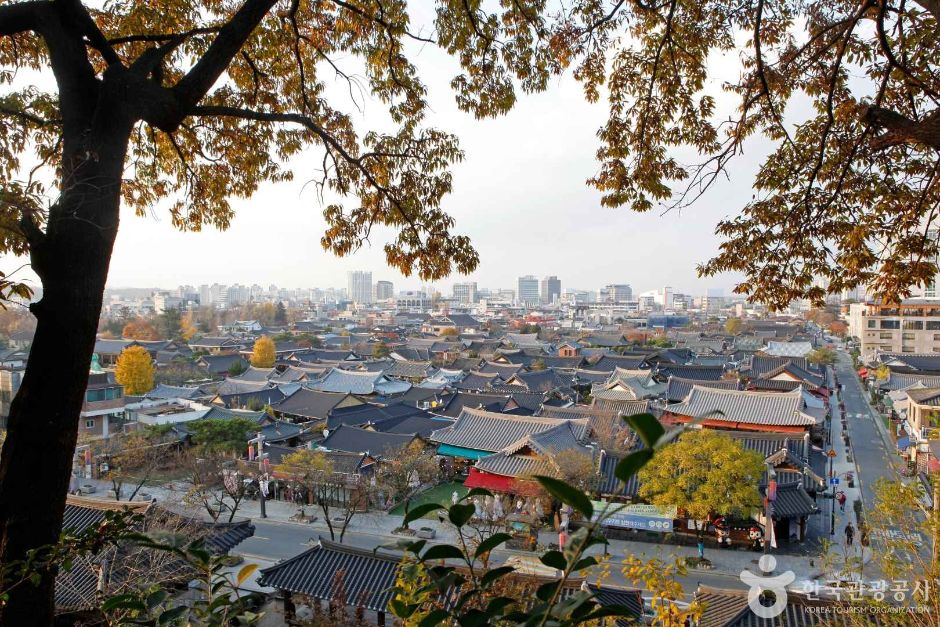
point(422, 408)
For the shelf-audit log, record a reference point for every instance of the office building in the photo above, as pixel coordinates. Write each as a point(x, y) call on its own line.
point(616, 293)
point(551, 290)
point(359, 287)
point(384, 290)
point(528, 290)
point(465, 293)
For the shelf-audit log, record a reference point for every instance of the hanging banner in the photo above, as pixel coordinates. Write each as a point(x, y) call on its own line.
point(635, 516)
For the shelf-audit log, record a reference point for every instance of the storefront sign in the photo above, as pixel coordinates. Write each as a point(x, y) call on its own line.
point(635, 516)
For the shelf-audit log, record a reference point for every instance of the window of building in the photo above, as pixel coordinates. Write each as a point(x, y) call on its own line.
point(936, 337)
point(885, 336)
point(890, 324)
point(933, 312)
point(889, 311)
point(907, 336)
point(907, 349)
point(90, 424)
point(914, 325)
point(933, 325)
point(872, 324)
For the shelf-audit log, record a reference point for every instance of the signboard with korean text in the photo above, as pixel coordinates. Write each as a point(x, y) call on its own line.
point(635, 516)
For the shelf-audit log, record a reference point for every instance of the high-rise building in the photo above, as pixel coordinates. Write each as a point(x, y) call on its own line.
point(465, 292)
point(384, 290)
point(616, 293)
point(359, 285)
point(528, 290)
point(551, 290)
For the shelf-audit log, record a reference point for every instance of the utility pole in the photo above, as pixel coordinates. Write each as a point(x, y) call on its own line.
point(771, 496)
point(832, 516)
point(258, 442)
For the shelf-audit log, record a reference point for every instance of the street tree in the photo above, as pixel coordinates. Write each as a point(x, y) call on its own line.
point(339, 496)
point(215, 485)
point(224, 436)
point(577, 468)
point(406, 473)
point(134, 370)
point(704, 473)
point(166, 104)
point(822, 357)
point(133, 458)
point(263, 354)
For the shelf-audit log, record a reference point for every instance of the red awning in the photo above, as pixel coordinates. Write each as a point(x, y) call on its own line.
point(933, 465)
point(499, 483)
point(496, 483)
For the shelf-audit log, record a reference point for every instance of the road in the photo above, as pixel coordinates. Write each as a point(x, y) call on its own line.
point(872, 458)
point(275, 541)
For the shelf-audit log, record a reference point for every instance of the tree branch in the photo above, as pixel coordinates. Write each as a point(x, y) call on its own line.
point(22, 16)
point(232, 36)
point(931, 6)
point(76, 11)
point(900, 129)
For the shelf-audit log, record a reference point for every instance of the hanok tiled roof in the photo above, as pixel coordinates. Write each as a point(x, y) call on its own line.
point(478, 381)
point(221, 413)
point(767, 444)
point(368, 576)
point(408, 369)
point(375, 443)
point(112, 347)
point(924, 362)
point(254, 375)
point(755, 408)
point(704, 373)
point(541, 448)
point(219, 364)
point(540, 380)
point(607, 363)
point(412, 353)
point(371, 413)
point(310, 404)
point(424, 424)
point(523, 339)
point(568, 363)
point(812, 379)
point(761, 363)
point(454, 404)
point(793, 501)
point(775, 385)
point(489, 431)
point(624, 407)
point(503, 370)
point(528, 402)
point(677, 388)
point(233, 385)
point(585, 376)
point(337, 380)
point(630, 599)
point(925, 396)
point(729, 608)
point(610, 484)
point(901, 381)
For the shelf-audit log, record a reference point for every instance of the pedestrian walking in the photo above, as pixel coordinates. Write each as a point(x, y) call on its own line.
point(841, 498)
point(849, 534)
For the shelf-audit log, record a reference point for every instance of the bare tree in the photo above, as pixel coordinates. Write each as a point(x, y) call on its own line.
point(133, 458)
point(403, 475)
point(215, 484)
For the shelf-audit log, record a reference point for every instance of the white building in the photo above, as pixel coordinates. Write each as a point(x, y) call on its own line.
point(359, 286)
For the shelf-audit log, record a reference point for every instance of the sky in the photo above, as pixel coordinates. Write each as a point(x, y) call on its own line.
point(520, 194)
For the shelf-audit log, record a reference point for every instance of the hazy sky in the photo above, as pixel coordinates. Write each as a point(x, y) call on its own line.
point(520, 194)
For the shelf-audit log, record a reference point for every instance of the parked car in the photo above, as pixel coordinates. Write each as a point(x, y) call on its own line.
point(87, 489)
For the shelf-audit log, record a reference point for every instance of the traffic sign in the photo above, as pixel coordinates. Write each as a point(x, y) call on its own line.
point(832, 452)
point(833, 481)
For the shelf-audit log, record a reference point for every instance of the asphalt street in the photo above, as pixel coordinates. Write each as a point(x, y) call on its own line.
point(872, 457)
point(275, 541)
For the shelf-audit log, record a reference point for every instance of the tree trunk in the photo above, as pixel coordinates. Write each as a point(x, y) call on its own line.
point(72, 260)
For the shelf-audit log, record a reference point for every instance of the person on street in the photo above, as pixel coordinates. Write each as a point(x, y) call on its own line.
point(841, 498)
point(849, 534)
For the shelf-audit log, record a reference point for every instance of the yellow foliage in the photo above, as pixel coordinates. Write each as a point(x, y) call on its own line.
point(263, 354)
point(134, 370)
point(187, 326)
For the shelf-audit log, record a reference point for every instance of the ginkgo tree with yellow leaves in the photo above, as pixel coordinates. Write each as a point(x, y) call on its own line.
point(263, 353)
point(134, 370)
